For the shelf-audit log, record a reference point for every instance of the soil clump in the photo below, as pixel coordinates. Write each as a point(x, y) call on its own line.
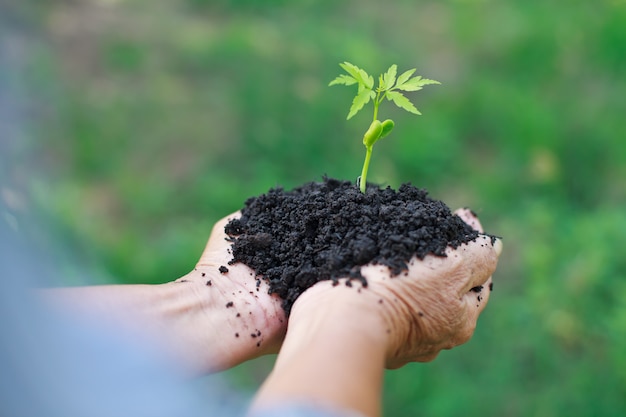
point(327, 230)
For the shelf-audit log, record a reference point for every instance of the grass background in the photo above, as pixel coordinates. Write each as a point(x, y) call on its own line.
point(132, 126)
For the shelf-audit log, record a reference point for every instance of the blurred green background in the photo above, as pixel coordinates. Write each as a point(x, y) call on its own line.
point(132, 126)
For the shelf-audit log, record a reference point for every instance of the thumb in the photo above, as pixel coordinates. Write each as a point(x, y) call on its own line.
point(217, 246)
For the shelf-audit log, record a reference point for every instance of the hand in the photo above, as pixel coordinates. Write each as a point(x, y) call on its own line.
point(206, 320)
point(434, 306)
point(254, 322)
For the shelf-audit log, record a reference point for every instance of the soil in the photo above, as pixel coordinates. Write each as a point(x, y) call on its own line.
point(327, 230)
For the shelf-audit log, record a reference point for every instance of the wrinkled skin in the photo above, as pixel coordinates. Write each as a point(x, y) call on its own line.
point(437, 305)
point(434, 306)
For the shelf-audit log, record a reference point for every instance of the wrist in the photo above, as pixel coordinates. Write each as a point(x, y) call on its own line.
point(333, 354)
point(351, 310)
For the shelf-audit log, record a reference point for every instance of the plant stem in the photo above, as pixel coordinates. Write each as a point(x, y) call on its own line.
point(368, 153)
point(366, 164)
point(376, 103)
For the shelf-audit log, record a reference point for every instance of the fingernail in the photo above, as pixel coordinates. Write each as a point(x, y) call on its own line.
point(497, 246)
point(470, 212)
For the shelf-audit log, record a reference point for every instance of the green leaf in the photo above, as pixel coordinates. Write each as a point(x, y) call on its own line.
point(411, 85)
point(404, 77)
point(368, 80)
point(358, 74)
point(360, 100)
point(401, 101)
point(416, 83)
point(343, 79)
point(426, 81)
point(389, 78)
point(351, 69)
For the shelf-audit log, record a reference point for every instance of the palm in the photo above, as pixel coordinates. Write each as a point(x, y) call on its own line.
point(257, 311)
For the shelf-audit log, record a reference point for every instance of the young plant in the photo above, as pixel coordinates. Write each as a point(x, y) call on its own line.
point(389, 87)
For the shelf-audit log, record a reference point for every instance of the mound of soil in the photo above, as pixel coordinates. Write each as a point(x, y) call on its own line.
point(327, 230)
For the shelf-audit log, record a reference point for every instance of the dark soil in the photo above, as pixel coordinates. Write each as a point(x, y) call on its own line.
point(328, 230)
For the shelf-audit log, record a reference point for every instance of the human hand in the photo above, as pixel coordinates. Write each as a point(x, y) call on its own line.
point(434, 306)
point(252, 322)
point(208, 320)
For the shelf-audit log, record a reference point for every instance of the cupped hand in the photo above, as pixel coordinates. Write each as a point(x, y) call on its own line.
point(436, 306)
point(256, 323)
point(433, 306)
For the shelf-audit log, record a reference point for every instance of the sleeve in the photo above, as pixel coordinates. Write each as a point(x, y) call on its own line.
point(301, 409)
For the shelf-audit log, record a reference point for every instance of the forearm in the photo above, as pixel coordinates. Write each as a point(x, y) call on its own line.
point(328, 357)
point(191, 320)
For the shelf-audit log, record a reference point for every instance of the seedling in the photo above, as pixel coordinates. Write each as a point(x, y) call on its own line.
point(389, 87)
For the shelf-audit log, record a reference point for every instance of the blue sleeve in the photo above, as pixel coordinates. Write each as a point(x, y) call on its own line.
point(301, 409)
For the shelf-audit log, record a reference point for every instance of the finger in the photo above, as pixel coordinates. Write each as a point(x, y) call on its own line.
point(476, 303)
point(469, 217)
point(478, 297)
point(218, 235)
point(217, 243)
point(480, 258)
point(397, 363)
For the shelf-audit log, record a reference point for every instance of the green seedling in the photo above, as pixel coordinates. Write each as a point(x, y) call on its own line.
point(389, 87)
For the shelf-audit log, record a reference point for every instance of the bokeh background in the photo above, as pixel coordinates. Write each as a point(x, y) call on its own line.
point(130, 127)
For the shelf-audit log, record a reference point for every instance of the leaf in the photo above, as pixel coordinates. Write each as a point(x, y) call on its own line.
point(426, 81)
point(343, 79)
point(404, 77)
point(351, 69)
point(411, 85)
point(401, 101)
point(416, 83)
point(368, 80)
point(389, 78)
point(360, 100)
point(358, 74)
